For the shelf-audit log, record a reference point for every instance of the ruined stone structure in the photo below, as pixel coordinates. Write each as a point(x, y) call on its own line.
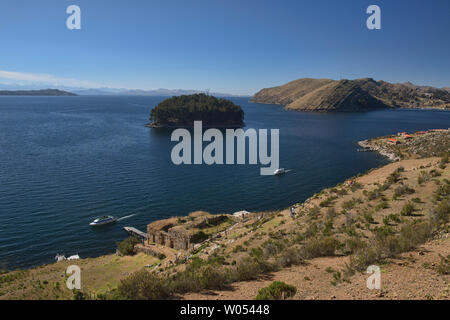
point(167, 233)
point(183, 232)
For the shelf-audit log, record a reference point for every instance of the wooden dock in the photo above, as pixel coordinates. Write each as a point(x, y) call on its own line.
point(136, 233)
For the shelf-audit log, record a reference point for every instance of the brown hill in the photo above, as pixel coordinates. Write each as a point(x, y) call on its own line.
point(352, 95)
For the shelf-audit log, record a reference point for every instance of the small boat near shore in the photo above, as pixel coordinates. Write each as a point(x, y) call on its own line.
point(279, 172)
point(103, 221)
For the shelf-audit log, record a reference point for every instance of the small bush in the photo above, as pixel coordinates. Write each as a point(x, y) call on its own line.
point(327, 201)
point(348, 205)
point(368, 217)
point(404, 189)
point(416, 200)
point(289, 256)
point(441, 212)
point(144, 285)
point(320, 247)
point(239, 248)
point(356, 186)
point(407, 209)
point(382, 205)
point(374, 194)
point(423, 177)
point(126, 247)
point(249, 269)
point(276, 291)
point(444, 265)
point(354, 244)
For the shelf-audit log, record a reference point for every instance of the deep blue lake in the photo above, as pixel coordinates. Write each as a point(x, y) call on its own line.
point(67, 160)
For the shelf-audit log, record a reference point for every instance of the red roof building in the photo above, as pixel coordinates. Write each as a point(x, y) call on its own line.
point(394, 141)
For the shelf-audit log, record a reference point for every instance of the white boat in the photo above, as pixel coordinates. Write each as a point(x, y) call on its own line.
point(279, 172)
point(103, 220)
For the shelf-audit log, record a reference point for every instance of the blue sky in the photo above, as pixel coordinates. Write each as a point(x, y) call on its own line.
point(233, 46)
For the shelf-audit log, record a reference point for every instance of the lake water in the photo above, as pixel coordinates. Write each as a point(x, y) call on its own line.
point(66, 160)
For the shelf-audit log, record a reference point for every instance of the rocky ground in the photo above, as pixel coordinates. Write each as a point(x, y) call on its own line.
point(412, 275)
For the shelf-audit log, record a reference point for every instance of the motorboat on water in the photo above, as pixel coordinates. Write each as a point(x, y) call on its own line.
point(103, 220)
point(279, 172)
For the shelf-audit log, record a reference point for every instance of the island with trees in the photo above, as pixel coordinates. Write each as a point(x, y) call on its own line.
point(182, 111)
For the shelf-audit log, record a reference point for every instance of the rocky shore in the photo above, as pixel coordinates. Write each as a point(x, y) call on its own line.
point(367, 146)
point(421, 144)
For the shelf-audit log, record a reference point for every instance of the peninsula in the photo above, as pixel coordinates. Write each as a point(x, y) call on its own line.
point(328, 95)
point(44, 92)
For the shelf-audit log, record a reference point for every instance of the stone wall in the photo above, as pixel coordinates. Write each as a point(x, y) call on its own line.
point(171, 239)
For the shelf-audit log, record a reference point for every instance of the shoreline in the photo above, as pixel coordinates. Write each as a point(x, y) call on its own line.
point(114, 268)
point(231, 126)
point(367, 146)
point(438, 108)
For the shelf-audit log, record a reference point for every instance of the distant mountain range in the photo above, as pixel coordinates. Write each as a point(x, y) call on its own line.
point(352, 95)
point(115, 91)
point(43, 92)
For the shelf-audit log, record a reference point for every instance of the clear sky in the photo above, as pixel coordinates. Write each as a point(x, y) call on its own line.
point(233, 46)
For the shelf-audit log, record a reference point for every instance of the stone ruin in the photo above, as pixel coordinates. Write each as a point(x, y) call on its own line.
point(184, 232)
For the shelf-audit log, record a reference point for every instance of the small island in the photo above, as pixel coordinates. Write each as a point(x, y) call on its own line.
point(46, 92)
point(182, 111)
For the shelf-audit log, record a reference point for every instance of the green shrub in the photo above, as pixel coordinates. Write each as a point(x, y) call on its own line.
point(407, 209)
point(423, 177)
point(289, 256)
point(327, 201)
point(356, 186)
point(444, 265)
point(368, 217)
point(374, 194)
point(382, 205)
point(354, 244)
point(143, 285)
point(276, 291)
point(320, 247)
point(441, 212)
point(442, 191)
point(416, 200)
point(126, 247)
point(239, 248)
point(404, 189)
point(249, 269)
point(347, 205)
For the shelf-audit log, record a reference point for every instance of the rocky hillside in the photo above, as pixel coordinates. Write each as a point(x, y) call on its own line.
point(352, 95)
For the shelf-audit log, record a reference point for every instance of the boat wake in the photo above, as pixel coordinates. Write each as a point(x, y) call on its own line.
point(126, 217)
